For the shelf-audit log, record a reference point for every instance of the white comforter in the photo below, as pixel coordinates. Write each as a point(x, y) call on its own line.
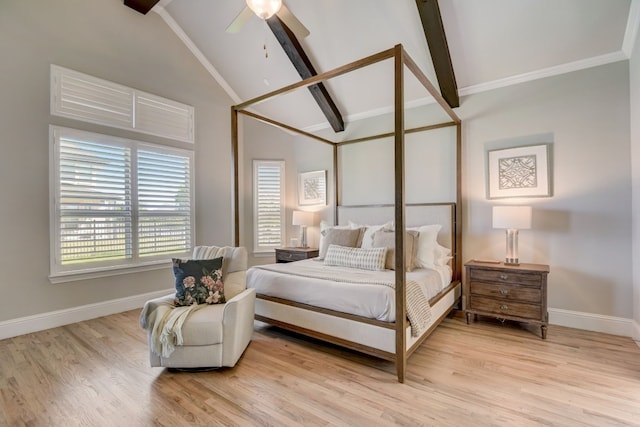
point(367, 300)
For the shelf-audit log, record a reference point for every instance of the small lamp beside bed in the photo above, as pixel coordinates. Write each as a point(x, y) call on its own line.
point(303, 219)
point(512, 218)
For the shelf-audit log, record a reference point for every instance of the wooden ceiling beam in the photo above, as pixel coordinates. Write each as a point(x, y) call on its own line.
point(303, 65)
point(437, 40)
point(142, 6)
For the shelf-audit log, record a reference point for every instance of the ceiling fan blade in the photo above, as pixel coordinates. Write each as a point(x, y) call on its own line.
point(240, 21)
point(292, 22)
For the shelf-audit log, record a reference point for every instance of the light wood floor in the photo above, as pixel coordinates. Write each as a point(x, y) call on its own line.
point(96, 373)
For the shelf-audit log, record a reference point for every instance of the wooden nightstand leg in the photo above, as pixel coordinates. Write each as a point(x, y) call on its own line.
point(544, 331)
point(468, 318)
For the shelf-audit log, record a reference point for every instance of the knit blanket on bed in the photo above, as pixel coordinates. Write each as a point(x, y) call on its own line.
point(164, 321)
point(418, 308)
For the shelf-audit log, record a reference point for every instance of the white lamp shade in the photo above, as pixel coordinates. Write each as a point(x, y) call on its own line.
point(265, 9)
point(512, 217)
point(302, 218)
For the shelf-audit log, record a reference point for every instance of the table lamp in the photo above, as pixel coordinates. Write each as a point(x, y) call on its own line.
point(512, 218)
point(303, 219)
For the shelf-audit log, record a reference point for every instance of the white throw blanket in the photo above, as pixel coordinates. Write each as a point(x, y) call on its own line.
point(418, 308)
point(165, 322)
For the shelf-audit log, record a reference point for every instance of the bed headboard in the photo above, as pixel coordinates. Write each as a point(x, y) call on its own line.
point(415, 215)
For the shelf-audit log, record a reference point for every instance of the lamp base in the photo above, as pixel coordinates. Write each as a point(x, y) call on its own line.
point(511, 262)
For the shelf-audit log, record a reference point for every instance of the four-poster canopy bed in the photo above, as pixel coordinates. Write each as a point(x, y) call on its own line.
point(391, 340)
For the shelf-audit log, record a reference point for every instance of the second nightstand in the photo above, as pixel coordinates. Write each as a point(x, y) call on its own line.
point(507, 292)
point(295, 254)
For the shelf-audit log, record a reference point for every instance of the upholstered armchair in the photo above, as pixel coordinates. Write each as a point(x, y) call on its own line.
point(213, 335)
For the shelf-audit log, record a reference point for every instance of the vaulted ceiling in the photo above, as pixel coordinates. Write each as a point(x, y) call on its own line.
point(492, 44)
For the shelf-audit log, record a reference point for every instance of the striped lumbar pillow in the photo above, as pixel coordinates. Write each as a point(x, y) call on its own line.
point(364, 259)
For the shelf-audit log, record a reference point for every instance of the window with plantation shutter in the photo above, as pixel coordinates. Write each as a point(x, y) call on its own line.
point(268, 204)
point(117, 202)
point(83, 97)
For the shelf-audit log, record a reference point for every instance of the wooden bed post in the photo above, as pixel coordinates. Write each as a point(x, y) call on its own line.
point(336, 183)
point(457, 268)
point(235, 167)
point(401, 275)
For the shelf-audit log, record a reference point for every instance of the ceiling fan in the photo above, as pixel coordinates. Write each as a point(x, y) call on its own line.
point(265, 9)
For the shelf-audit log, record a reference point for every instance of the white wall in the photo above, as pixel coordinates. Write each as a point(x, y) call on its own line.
point(107, 40)
point(583, 231)
point(634, 73)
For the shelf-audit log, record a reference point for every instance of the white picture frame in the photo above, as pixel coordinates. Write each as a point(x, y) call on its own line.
point(519, 172)
point(312, 188)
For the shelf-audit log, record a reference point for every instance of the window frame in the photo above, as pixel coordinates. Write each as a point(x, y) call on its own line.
point(85, 270)
point(268, 249)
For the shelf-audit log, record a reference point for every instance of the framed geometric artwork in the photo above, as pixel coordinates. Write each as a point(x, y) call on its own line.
point(519, 172)
point(312, 188)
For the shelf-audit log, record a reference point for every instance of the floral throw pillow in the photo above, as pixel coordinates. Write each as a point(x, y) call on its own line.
point(198, 281)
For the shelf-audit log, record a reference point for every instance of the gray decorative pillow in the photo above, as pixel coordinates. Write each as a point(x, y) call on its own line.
point(387, 239)
point(339, 236)
point(364, 259)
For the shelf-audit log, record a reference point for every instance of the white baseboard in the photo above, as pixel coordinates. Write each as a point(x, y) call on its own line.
point(591, 322)
point(636, 332)
point(53, 319)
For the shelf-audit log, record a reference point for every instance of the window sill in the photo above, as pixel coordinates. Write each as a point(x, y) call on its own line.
point(73, 276)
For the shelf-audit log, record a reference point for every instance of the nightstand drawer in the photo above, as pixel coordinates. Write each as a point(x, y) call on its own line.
point(291, 256)
point(295, 254)
point(506, 277)
point(506, 308)
point(507, 292)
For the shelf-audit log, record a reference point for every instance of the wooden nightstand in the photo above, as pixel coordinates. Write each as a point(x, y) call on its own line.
point(507, 292)
point(295, 254)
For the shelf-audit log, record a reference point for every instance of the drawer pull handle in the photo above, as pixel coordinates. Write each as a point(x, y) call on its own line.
point(504, 291)
point(503, 277)
point(504, 307)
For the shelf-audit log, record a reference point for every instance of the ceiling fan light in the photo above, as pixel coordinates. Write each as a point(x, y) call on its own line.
point(265, 9)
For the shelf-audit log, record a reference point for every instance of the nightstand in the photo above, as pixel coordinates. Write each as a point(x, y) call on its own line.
point(295, 254)
point(507, 292)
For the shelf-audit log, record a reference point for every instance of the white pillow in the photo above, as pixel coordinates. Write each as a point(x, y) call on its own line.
point(365, 259)
point(427, 245)
point(442, 255)
point(367, 237)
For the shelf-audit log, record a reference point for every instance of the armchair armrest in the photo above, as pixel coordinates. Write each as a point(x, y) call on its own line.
point(237, 325)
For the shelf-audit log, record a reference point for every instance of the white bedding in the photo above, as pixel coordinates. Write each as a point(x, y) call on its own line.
point(367, 300)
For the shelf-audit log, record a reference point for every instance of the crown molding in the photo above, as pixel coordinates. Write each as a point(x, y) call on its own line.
point(569, 67)
point(631, 32)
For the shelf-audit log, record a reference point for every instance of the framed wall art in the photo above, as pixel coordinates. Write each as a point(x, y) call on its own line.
point(519, 172)
point(312, 188)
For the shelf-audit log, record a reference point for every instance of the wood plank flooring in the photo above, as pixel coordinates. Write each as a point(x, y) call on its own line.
point(96, 373)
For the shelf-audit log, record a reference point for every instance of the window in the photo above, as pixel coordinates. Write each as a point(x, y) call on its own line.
point(117, 202)
point(268, 204)
point(90, 99)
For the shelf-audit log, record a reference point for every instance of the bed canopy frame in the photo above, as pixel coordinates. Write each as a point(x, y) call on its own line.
point(401, 60)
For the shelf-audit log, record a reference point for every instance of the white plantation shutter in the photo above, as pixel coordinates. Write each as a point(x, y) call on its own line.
point(268, 204)
point(83, 97)
point(160, 116)
point(94, 201)
point(117, 202)
point(164, 202)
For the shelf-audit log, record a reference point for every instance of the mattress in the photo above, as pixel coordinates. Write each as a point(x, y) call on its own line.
point(362, 294)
